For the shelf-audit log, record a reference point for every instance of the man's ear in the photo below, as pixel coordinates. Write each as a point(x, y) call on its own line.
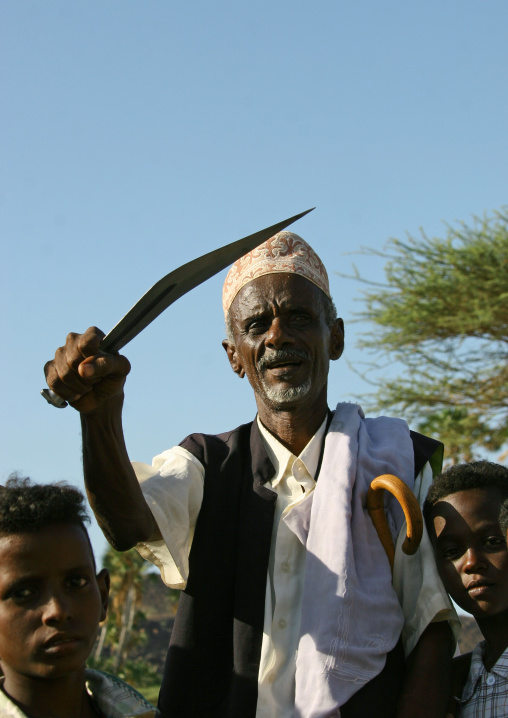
point(234, 359)
point(103, 581)
point(336, 339)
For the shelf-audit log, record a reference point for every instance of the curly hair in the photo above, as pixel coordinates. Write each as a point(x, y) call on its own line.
point(462, 477)
point(27, 507)
point(503, 517)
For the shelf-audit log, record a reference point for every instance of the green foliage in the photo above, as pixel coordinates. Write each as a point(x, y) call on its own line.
point(135, 671)
point(151, 692)
point(443, 315)
point(121, 635)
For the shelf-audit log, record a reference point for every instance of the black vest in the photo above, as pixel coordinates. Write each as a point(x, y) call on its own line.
point(213, 659)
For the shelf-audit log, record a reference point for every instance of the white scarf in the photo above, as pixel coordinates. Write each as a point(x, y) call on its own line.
point(351, 617)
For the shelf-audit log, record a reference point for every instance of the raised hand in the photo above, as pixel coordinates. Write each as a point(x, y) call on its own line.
point(87, 378)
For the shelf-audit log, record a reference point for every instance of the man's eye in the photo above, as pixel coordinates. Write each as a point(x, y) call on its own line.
point(301, 319)
point(256, 326)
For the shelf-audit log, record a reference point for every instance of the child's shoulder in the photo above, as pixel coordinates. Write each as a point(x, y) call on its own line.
point(116, 698)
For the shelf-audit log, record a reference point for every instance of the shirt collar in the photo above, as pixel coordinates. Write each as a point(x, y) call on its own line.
point(281, 457)
point(477, 670)
point(112, 696)
point(7, 707)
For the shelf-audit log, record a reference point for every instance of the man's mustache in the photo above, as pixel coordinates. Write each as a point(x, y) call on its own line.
point(279, 356)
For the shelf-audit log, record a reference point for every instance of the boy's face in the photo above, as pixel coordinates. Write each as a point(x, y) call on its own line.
point(51, 603)
point(471, 551)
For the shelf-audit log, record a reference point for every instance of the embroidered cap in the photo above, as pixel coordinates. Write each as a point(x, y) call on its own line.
point(284, 252)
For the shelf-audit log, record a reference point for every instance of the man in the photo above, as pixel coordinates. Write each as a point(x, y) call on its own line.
point(288, 607)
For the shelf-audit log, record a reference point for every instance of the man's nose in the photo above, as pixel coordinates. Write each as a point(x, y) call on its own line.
point(278, 334)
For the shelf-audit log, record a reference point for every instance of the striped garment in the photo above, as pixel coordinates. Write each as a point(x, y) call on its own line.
point(485, 694)
point(113, 698)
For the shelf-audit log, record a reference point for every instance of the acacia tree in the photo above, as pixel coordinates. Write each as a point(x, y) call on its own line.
point(443, 316)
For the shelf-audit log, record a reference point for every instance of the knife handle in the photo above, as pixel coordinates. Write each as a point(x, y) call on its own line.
point(53, 398)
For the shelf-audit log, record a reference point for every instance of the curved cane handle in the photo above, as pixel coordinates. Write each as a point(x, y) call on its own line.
point(410, 506)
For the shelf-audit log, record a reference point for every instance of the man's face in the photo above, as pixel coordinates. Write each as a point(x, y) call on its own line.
point(282, 341)
point(471, 551)
point(51, 603)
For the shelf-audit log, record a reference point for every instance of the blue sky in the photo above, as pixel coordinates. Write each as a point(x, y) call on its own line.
point(137, 135)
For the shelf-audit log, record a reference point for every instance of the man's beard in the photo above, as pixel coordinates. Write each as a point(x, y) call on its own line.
point(279, 395)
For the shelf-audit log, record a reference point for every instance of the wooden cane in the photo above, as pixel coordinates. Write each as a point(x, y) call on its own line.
point(410, 506)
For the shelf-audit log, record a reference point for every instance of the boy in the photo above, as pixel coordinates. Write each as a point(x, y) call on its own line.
point(462, 515)
point(51, 603)
point(503, 518)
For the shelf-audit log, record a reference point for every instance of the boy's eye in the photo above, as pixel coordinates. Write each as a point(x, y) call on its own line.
point(496, 542)
point(23, 593)
point(78, 581)
point(451, 552)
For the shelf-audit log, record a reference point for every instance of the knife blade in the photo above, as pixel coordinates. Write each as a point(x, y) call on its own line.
point(173, 286)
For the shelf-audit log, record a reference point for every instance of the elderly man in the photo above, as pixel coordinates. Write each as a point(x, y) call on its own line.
point(287, 608)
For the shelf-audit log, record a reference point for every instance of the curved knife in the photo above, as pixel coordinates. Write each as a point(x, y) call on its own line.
point(173, 286)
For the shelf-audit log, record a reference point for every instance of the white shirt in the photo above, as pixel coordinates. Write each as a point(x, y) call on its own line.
point(293, 483)
point(173, 489)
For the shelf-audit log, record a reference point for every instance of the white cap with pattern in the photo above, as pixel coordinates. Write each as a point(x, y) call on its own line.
point(284, 252)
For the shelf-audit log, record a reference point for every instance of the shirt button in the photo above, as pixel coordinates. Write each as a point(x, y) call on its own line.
point(491, 680)
point(282, 623)
point(271, 678)
point(285, 566)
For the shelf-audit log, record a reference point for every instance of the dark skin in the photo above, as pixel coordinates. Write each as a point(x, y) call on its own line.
point(51, 602)
point(273, 313)
point(472, 560)
point(277, 312)
point(428, 677)
point(92, 382)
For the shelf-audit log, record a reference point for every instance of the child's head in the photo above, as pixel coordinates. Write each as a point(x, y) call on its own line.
point(462, 516)
point(503, 518)
point(51, 600)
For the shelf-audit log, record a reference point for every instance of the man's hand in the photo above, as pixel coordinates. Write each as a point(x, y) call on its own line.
point(83, 375)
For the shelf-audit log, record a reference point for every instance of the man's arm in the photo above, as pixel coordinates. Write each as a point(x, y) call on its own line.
point(428, 677)
point(92, 382)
